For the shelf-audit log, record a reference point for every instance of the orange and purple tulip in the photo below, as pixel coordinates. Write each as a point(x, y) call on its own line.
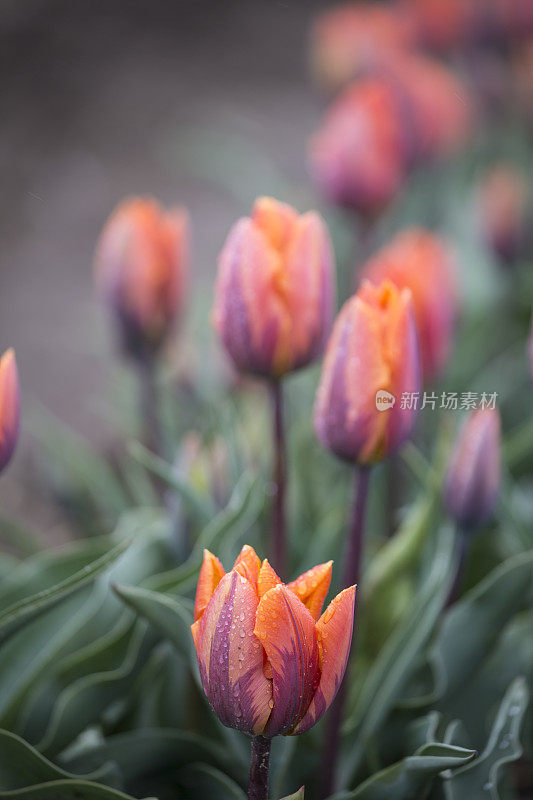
point(348, 40)
point(9, 407)
point(275, 289)
point(474, 472)
point(422, 262)
point(358, 156)
point(141, 268)
point(503, 195)
point(372, 361)
point(269, 661)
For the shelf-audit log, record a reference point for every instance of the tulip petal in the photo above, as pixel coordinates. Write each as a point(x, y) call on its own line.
point(286, 630)
point(211, 573)
point(230, 657)
point(312, 587)
point(267, 578)
point(247, 564)
point(334, 631)
point(9, 406)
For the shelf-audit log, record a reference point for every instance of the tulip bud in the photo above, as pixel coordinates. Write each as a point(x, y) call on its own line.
point(270, 663)
point(502, 207)
point(358, 156)
point(417, 260)
point(141, 267)
point(474, 472)
point(371, 361)
point(275, 289)
point(9, 407)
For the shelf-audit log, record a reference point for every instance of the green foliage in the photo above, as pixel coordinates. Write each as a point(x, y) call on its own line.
point(99, 691)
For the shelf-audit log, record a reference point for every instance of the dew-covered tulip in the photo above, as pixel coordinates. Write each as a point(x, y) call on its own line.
point(9, 407)
point(474, 472)
point(269, 661)
point(502, 204)
point(358, 155)
point(364, 408)
point(141, 267)
point(422, 262)
point(275, 289)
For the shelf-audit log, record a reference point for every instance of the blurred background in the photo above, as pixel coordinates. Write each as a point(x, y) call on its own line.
point(102, 100)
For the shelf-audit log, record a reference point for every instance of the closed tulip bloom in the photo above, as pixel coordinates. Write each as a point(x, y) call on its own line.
point(275, 289)
point(9, 407)
point(358, 156)
point(474, 472)
point(141, 267)
point(269, 661)
point(422, 262)
point(371, 360)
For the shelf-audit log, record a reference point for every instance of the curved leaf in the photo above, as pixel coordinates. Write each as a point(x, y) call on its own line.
point(18, 614)
point(412, 776)
point(203, 780)
point(169, 615)
point(398, 657)
point(479, 781)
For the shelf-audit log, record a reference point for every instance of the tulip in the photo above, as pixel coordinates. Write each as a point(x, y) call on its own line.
point(141, 267)
point(270, 662)
point(348, 40)
point(372, 359)
point(9, 407)
point(474, 472)
point(420, 261)
point(358, 156)
point(502, 207)
point(273, 309)
point(275, 289)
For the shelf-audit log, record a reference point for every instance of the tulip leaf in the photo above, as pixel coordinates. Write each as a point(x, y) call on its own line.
point(202, 780)
point(19, 614)
point(25, 774)
point(150, 751)
point(474, 624)
point(84, 701)
point(169, 615)
point(299, 795)
point(412, 776)
point(479, 780)
point(199, 506)
point(398, 657)
point(35, 650)
point(241, 512)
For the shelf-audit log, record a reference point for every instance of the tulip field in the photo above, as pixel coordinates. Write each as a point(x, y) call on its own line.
point(300, 567)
